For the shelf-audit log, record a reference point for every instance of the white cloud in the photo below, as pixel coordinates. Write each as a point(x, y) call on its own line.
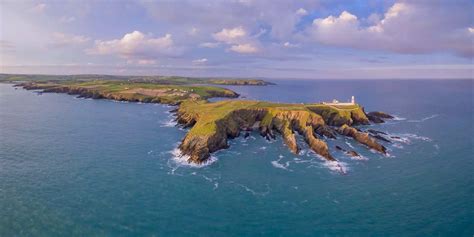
point(200, 61)
point(405, 28)
point(244, 48)
point(136, 45)
point(230, 36)
point(61, 39)
point(209, 45)
point(290, 45)
point(238, 39)
point(301, 12)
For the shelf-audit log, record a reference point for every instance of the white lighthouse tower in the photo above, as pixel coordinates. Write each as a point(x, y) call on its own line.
point(353, 101)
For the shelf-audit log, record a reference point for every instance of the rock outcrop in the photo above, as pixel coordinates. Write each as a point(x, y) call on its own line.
point(350, 153)
point(361, 137)
point(334, 116)
point(212, 124)
point(378, 117)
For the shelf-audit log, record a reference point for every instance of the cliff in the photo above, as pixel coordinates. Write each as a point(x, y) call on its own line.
point(212, 124)
point(131, 91)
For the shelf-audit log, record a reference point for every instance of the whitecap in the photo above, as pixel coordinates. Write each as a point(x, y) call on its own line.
point(277, 164)
point(417, 137)
point(400, 139)
point(359, 157)
point(337, 166)
point(182, 160)
point(304, 152)
point(397, 118)
point(423, 119)
point(169, 123)
point(397, 145)
point(255, 193)
point(270, 141)
point(350, 145)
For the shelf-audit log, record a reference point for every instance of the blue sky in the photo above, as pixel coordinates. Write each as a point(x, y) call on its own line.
point(240, 38)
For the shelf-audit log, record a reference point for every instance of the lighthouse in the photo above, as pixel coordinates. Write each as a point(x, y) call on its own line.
point(353, 101)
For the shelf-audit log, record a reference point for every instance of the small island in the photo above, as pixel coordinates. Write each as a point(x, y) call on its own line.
point(211, 124)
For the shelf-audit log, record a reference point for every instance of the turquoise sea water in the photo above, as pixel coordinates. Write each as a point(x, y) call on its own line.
point(81, 167)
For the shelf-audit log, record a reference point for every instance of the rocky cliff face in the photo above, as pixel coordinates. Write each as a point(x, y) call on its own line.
point(213, 123)
point(198, 146)
point(337, 117)
point(361, 137)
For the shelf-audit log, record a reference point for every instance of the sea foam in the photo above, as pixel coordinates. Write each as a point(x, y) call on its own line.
point(182, 160)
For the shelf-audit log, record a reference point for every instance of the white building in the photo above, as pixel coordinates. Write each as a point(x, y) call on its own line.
point(336, 102)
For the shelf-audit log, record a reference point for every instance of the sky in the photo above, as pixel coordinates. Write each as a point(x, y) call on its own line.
point(317, 39)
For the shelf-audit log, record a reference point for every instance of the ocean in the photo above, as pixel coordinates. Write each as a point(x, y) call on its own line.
point(83, 167)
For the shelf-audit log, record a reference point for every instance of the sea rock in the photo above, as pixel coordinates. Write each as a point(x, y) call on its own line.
point(378, 117)
point(381, 115)
point(353, 154)
point(372, 131)
point(361, 137)
point(247, 134)
point(381, 138)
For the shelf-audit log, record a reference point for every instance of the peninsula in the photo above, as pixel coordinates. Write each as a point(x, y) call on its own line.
point(211, 124)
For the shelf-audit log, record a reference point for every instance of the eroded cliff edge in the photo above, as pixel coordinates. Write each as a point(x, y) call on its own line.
point(212, 124)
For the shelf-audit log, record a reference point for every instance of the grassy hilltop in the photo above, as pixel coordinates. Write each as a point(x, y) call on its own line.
point(213, 123)
point(155, 89)
point(131, 91)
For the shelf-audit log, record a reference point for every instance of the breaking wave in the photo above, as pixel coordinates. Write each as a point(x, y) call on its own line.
point(397, 118)
point(423, 119)
point(169, 123)
point(255, 193)
point(277, 164)
point(337, 166)
point(182, 160)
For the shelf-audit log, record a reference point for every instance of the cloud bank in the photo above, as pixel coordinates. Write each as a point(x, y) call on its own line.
point(406, 28)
